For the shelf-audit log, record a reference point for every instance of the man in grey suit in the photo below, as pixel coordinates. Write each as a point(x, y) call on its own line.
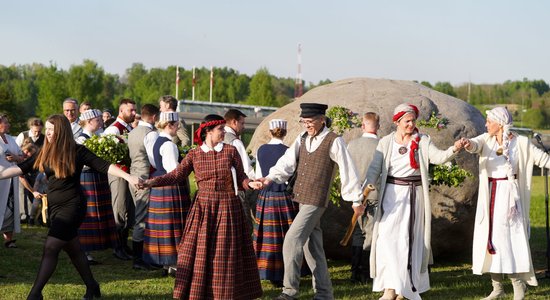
point(139, 139)
point(362, 151)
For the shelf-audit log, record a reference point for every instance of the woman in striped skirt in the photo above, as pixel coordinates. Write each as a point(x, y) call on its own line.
point(98, 230)
point(275, 209)
point(168, 205)
point(215, 256)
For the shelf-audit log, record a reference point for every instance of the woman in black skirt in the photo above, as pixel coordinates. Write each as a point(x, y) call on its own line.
point(62, 161)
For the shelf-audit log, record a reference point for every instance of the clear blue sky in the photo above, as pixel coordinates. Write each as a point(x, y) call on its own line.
point(483, 41)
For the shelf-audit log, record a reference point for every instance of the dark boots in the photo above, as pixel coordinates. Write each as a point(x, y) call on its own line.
point(359, 274)
point(139, 263)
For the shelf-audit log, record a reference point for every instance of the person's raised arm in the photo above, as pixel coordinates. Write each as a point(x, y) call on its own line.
point(116, 171)
point(10, 172)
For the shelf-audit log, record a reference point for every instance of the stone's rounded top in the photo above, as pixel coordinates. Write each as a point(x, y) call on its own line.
point(451, 207)
point(381, 96)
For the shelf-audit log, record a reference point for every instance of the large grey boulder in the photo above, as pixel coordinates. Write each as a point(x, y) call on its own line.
point(453, 209)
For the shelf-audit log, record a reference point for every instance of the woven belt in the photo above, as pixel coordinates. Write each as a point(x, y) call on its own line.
point(412, 182)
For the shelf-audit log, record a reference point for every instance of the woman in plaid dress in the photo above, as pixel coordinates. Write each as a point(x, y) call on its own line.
point(168, 205)
point(275, 209)
point(216, 259)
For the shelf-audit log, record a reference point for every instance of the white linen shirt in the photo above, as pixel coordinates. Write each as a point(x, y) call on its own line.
point(247, 164)
point(114, 130)
point(168, 151)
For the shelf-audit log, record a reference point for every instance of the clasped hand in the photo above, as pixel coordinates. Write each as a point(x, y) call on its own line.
point(260, 183)
point(461, 143)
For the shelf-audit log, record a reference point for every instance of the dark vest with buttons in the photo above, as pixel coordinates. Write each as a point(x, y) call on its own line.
point(159, 171)
point(268, 155)
point(315, 173)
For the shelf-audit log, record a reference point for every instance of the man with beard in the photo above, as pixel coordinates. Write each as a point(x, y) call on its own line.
point(123, 206)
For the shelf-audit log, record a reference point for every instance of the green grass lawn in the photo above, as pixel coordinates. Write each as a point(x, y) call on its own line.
point(449, 280)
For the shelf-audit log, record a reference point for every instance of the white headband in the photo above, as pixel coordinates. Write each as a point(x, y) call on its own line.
point(277, 123)
point(90, 114)
point(168, 116)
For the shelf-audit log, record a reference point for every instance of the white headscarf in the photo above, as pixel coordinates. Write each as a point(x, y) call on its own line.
point(503, 117)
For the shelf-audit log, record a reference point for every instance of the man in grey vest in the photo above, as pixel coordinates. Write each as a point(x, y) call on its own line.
point(234, 127)
point(314, 162)
point(362, 151)
point(139, 139)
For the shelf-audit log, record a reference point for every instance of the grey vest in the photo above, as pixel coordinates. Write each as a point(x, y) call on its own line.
point(362, 151)
point(315, 173)
point(229, 138)
point(140, 164)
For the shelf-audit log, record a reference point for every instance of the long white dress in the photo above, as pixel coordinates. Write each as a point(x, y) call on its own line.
point(11, 147)
point(393, 233)
point(509, 234)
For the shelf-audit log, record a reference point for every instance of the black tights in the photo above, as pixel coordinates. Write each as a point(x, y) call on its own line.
point(52, 247)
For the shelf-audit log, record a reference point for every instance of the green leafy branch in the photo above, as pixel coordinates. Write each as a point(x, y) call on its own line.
point(343, 119)
point(450, 175)
point(434, 122)
point(110, 148)
point(183, 150)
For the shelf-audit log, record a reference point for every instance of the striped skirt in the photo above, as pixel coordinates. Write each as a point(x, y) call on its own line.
point(168, 208)
point(215, 257)
point(98, 230)
point(275, 211)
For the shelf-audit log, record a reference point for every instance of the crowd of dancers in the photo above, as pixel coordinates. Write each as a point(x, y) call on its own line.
point(215, 243)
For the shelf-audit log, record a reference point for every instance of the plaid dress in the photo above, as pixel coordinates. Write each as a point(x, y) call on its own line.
point(275, 211)
point(216, 259)
point(166, 214)
point(98, 230)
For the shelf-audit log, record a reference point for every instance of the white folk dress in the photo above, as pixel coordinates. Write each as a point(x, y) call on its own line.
point(509, 233)
point(393, 233)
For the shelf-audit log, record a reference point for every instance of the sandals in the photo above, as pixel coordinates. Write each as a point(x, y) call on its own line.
point(10, 244)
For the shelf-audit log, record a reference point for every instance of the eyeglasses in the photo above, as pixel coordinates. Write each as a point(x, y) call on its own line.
point(308, 122)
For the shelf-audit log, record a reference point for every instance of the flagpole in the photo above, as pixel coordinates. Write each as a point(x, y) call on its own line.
point(177, 81)
point(193, 87)
point(211, 82)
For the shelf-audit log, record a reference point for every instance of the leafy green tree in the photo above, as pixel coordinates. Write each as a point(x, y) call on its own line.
point(51, 90)
point(261, 89)
point(85, 82)
point(426, 84)
point(533, 118)
point(445, 88)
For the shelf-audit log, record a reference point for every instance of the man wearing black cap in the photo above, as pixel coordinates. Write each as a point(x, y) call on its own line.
point(314, 161)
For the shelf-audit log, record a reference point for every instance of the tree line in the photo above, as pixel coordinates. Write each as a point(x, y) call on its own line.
point(526, 99)
point(38, 90)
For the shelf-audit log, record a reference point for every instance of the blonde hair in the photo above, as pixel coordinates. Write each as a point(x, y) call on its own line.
point(60, 154)
point(163, 124)
point(29, 147)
